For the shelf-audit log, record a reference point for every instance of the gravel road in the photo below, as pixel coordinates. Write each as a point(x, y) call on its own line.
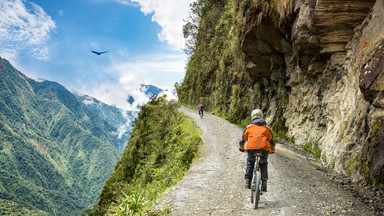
point(214, 183)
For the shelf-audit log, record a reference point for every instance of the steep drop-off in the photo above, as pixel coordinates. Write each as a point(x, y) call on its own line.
point(160, 151)
point(315, 67)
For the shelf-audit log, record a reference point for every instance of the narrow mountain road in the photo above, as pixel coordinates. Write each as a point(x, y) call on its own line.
point(214, 183)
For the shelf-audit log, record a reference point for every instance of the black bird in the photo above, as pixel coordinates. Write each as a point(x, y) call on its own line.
point(99, 53)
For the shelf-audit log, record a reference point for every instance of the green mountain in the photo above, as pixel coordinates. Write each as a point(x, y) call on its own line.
point(55, 152)
point(150, 89)
point(120, 119)
point(117, 118)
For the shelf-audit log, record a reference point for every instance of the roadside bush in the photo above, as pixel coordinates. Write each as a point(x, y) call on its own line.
point(162, 146)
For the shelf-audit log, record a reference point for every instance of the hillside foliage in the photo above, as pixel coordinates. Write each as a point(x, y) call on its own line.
point(160, 150)
point(216, 73)
point(215, 67)
point(12, 208)
point(55, 153)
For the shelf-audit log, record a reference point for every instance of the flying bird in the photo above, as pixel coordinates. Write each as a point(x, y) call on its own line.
point(99, 53)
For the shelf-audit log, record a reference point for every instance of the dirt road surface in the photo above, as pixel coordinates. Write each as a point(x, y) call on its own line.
point(214, 184)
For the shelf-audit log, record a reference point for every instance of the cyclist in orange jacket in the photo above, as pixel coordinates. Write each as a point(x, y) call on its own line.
point(258, 137)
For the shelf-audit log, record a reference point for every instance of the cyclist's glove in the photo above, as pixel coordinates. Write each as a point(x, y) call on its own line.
point(272, 151)
point(241, 148)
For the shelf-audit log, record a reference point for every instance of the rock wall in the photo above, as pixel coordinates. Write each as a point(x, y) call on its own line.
point(330, 55)
point(315, 67)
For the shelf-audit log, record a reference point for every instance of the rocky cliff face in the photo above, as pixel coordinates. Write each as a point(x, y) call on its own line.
point(328, 56)
point(315, 67)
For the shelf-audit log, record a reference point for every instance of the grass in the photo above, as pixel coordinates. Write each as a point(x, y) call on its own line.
point(351, 164)
point(129, 205)
point(313, 149)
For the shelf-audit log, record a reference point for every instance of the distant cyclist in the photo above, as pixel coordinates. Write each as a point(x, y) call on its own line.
point(259, 137)
point(200, 107)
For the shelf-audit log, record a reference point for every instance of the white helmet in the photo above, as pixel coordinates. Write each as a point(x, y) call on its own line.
point(257, 113)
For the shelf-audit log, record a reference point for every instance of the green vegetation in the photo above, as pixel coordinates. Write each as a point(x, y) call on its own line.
point(12, 208)
point(351, 165)
point(279, 130)
point(160, 151)
point(213, 71)
point(308, 147)
point(371, 157)
point(55, 153)
point(112, 115)
point(312, 148)
point(216, 72)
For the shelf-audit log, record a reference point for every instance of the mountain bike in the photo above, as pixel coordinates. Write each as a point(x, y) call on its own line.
point(256, 181)
point(201, 114)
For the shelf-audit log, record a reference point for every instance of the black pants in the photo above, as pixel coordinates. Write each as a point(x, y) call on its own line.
point(251, 163)
point(201, 112)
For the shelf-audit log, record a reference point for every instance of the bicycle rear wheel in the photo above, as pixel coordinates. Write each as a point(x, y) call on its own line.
point(253, 183)
point(257, 191)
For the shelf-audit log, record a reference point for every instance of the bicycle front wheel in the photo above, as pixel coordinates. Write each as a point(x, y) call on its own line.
point(257, 191)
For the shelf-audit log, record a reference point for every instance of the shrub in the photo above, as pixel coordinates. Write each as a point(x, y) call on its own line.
point(162, 146)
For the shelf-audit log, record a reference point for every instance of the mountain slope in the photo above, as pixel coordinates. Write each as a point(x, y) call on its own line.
point(117, 118)
point(55, 153)
point(150, 89)
point(160, 150)
point(120, 119)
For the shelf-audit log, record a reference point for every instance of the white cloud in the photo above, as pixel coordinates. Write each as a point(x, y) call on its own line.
point(124, 128)
point(171, 94)
point(169, 14)
point(129, 75)
point(24, 27)
point(117, 94)
point(61, 13)
point(88, 100)
point(125, 2)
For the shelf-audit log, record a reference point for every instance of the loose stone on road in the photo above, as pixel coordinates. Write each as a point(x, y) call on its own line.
point(214, 183)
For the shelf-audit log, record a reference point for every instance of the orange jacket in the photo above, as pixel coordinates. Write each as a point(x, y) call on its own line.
point(259, 136)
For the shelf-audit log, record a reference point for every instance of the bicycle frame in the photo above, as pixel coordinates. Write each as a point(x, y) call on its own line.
point(256, 181)
point(255, 169)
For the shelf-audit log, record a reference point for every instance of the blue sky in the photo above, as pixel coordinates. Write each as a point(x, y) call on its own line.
point(52, 39)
